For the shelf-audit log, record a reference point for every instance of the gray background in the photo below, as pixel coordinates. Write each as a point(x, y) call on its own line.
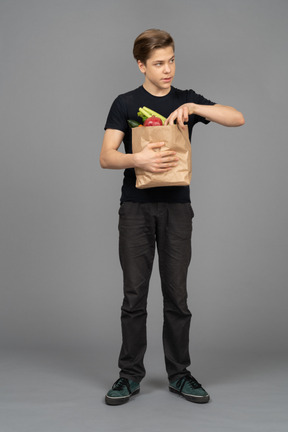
point(62, 64)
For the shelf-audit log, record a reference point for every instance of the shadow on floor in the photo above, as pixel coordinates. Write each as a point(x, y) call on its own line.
point(99, 366)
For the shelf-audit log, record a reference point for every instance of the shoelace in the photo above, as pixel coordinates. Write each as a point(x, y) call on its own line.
point(190, 380)
point(120, 384)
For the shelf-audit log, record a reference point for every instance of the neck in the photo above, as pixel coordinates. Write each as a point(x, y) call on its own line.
point(155, 91)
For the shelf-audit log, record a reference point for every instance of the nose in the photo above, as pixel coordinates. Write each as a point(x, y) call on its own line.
point(167, 68)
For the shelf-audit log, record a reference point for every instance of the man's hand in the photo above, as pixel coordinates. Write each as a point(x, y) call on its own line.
point(181, 114)
point(221, 114)
point(155, 161)
point(148, 159)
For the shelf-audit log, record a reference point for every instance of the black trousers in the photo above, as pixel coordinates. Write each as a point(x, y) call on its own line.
point(142, 227)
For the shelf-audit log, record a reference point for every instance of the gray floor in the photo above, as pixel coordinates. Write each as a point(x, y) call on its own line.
point(64, 391)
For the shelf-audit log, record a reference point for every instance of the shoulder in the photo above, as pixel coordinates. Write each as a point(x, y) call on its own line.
point(118, 114)
point(124, 100)
point(124, 97)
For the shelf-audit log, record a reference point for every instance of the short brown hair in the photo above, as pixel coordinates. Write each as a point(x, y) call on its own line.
point(149, 40)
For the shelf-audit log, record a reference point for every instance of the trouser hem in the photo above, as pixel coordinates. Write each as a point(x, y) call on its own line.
point(132, 378)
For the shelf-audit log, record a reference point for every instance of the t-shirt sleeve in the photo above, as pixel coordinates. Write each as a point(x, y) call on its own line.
point(117, 116)
point(200, 100)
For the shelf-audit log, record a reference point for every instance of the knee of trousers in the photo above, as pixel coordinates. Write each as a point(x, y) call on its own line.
point(179, 308)
point(134, 305)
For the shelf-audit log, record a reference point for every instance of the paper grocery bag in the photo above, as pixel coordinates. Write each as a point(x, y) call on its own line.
point(176, 139)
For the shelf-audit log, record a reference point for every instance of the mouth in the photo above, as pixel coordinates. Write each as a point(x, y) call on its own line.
point(167, 79)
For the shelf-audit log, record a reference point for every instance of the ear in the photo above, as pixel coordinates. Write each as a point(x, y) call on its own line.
point(141, 66)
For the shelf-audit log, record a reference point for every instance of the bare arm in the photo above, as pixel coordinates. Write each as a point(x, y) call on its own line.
point(148, 159)
point(110, 157)
point(222, 114)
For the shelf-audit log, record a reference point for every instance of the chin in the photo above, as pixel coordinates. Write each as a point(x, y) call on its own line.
point(165, 85)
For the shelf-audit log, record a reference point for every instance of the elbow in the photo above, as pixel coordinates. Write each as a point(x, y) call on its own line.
point(237, 120)
point(241, 120)
point(103, 162)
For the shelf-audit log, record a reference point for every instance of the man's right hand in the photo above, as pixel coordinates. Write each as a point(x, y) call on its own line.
point(155, 161)
point(149, 159)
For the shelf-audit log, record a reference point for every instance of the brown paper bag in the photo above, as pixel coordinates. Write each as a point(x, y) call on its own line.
point(175, 139)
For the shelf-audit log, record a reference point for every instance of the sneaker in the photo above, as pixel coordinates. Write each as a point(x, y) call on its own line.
point(121, 391)
point(190, 389)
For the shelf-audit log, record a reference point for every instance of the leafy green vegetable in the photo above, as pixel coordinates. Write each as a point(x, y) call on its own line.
point(145, 113)
point(151, 113)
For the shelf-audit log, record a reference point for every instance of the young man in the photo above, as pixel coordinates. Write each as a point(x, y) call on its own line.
point(155, 216)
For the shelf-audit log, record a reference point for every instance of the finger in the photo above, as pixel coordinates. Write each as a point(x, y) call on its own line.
point(166, 153)
point(172, 119)
point(158, 170)
point(156, 145)
point(168, 156)
point(181, 117)
point(180, 121)
point(169, 159)
point(168, 120)
point(168, 165)
point(186, 114)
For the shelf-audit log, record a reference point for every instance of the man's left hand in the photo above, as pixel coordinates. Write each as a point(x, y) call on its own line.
point(181, 115)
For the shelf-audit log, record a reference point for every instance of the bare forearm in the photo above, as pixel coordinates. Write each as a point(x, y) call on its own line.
point(222, 114)
point(148, 159)
point(113, 159)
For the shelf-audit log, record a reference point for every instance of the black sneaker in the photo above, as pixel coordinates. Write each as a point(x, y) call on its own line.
point(121, 391)
point(190, 389)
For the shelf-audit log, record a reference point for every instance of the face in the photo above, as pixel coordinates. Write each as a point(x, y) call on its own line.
point(159, 71)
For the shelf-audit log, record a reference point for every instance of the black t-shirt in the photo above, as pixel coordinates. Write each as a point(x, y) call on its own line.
point(126, 106)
